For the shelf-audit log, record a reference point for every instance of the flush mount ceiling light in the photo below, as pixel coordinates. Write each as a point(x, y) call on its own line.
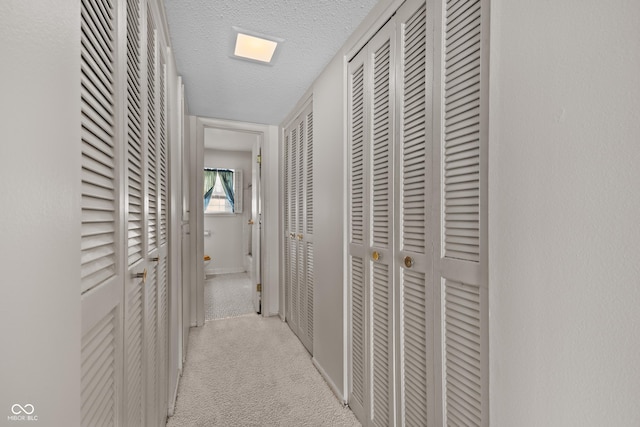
point(254, 47)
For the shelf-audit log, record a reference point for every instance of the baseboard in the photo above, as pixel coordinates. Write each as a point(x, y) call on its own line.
point(328, 380)
point(224, 270)
point(172, 402)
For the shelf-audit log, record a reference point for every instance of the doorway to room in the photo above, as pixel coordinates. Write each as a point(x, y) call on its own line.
point(229, 203)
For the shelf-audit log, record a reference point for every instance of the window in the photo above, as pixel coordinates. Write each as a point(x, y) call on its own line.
point(218, 202)
point(222, 191)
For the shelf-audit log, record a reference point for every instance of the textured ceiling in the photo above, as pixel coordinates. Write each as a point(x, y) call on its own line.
point(218, 86)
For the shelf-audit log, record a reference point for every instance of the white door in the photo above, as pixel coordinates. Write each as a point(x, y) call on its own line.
point(298, 225)
point(256, 224)
point(371, 216)
point(413, 233)
point(101, 241)
point(462, 132)
point(390, 257)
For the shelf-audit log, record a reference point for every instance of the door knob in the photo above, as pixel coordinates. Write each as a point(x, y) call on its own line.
point(299, 236)
point(408, 262)
point(375, 255)
point(142, 276)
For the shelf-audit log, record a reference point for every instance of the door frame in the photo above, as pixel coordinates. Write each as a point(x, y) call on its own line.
point(261, 131)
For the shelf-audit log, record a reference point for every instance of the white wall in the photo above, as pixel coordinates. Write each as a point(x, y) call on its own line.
point(228, 244)
point(564, 213)
point(40, 215)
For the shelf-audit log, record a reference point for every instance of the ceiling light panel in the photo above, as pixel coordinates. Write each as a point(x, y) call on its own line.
point(255, 47)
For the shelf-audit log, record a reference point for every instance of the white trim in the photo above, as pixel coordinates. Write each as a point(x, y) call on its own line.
point(262, 132)
point(171, 408)
point(224, 270)
point(329, 382)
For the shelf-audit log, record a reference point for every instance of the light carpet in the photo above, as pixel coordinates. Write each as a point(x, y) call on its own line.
point(253, 371)
point(227, 295)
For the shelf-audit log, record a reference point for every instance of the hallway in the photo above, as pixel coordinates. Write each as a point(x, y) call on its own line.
point(227, 295)
point(253, 371)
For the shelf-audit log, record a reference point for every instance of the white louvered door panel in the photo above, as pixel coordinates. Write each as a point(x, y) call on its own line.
point(413, 237)
point(463, 108)
point(294, 319)
point(300, 210)
point(135, 348)
point(162, 256)
point(286, 241)
point(381, 183)
point(101, 245)
point(298, 222)
point(358, 223)
point(151, 185)
point(308, 226)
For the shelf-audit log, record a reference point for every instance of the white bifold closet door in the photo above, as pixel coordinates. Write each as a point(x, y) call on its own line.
point(397, 376)
point(417, 351)
point(462, 129)
point(298, 224)
point(124, 230)
point(101, 240)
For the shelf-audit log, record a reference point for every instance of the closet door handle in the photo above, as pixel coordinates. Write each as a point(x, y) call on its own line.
point(142, 276)
point(408, 262)
point(375, 255)
point(299, 236)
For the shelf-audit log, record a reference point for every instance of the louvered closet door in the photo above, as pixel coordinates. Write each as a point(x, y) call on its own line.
point(463, 203)
point(286, 241)
point(293, 316)
point(413, 236)
point(358, 223)
point(298, 239)
point(371, 260)
point(151, 285)
point(101, 244)
point(381, 262)
point(161, 258)
point(138, 297)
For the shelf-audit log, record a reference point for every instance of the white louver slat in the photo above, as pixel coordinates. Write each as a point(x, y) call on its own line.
point(309, 176)
point(310, 284)
point(164, 176)
point(381, 199)
point(152, 146)
point(134, 135)
point(151, 339)
point(133, 337)
point(358, 330)
point(381, 340)
point(462, 130)
point(462, 354)
point(99, 397)
point(357, 173)
point(98, 232)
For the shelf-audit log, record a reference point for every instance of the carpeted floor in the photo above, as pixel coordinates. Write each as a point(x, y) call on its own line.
point(252, 371)
point(227, 295)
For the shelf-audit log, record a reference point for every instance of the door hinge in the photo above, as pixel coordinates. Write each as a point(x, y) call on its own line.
point(259, 287)
point(259, 159)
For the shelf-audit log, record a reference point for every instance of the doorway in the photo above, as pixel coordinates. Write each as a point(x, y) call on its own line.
point(229, 228)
